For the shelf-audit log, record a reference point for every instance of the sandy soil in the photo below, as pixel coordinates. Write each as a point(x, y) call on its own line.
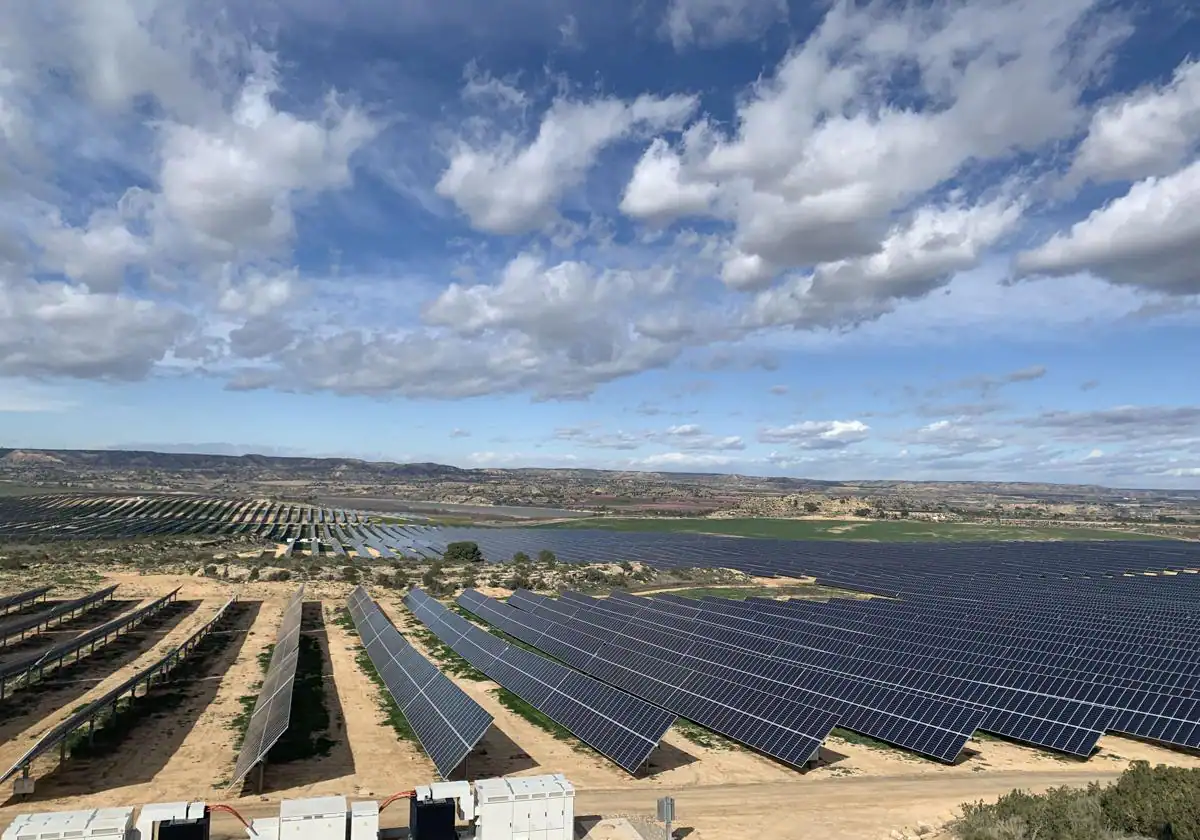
point(858, 792)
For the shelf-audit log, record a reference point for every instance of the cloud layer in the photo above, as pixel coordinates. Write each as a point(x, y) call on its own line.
point(195, 189)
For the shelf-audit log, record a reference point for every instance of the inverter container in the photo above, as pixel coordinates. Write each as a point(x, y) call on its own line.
point(533, 808)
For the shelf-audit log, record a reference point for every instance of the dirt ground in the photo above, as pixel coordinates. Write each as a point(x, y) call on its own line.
point(722, 791)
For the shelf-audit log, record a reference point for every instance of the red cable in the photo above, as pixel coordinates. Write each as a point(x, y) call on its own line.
point(231, 810)
point(405, 794)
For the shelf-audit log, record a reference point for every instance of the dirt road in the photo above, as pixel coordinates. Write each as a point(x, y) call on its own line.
point(832, 809)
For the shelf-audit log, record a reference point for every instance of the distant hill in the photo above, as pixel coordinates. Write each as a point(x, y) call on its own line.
point(51, 465)
point(116, 459)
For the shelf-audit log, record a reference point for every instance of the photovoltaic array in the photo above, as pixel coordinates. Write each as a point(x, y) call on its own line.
point(20, 600)
point(855, 649)
point(94, 709)
point(446, 721)
point(869, 564)
point(783, 712)
point(22, 670)
point(614, 723)
point(18, 627)
point(272, 711)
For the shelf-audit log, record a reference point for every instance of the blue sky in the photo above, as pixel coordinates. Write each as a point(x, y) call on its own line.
point(837, 240)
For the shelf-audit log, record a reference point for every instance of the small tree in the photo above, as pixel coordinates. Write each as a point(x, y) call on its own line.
point(431, 579)
point(463, 551)
point(468, 580)
point(811, 507)
point(521, 558)
point(546, 557)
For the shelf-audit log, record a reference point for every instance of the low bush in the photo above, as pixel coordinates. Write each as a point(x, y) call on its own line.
point(1159, 803)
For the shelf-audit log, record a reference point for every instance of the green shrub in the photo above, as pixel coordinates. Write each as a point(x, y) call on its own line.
point(1161, 803)
point(1157, 802)
point(463, 551)
point(1058, 814)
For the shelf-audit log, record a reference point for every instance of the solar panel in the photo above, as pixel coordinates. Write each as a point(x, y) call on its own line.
point(767, 721)
point(618, 725)
point(273, 709)
point(57, 734)
point(23, 668)
point(1044, 720)
point(934, 728)
point(10, 603)
point(447, 722)
point(16, 627)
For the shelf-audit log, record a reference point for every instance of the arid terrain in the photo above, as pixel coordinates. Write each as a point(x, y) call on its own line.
point(448, 493)
point(185, 749)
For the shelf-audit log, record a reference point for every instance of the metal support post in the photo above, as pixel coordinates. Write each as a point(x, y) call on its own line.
point(666, 814)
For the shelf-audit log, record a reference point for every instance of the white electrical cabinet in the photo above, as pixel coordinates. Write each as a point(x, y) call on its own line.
point(364, 821)
point(265, 828)
point(521, 808)
point(525, 808)
point(92, 824)
point(319, 818)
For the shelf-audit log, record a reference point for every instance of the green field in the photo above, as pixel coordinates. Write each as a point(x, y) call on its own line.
point(891, 530)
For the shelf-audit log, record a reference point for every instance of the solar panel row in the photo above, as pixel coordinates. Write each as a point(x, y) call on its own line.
point(20, 600)
point(934, 728)
point(616, 724)
point(1133, 709)
point(782, 728)
point(862, 563)
point(17, 628)
point(272, 710)
point(446, 721)
point(65, 517)
point(1043, 721)
point(19, 671)
point(854, 644)
point(58, 734)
